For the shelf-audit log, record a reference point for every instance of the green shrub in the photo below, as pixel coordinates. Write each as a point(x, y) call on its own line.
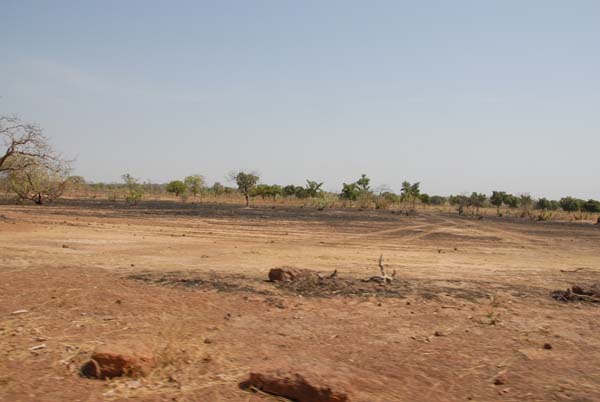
point(324, 201)
point(570, 204)
point(134, 189)
point(591, 206)
point(350, 191)
point(546, 204)
point(194, 184)
point(176, 187)
point(438, 200)
point(246, 183)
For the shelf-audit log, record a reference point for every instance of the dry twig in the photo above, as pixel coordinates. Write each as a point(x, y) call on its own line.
point(384, 278)
point(575, 270)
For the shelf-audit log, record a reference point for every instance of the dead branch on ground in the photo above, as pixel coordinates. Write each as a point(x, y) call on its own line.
point(331, 276)
point(384, 278)
point(574, 270)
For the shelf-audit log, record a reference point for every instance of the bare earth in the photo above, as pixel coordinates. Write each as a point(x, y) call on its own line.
point(466, 318)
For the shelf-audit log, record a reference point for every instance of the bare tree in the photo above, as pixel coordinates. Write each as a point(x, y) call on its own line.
point(33, 170)
point(38, 182)
point(23, 145)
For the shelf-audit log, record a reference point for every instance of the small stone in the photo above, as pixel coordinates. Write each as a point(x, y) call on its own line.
point(547, 346)
point(20, 312)
point(499, 381)
point(65, 246)
point(134, 384)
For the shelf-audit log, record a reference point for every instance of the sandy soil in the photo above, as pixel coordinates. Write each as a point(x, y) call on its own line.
point(466, 318)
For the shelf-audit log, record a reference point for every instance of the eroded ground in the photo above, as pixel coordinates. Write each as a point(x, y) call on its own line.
point(469, 306)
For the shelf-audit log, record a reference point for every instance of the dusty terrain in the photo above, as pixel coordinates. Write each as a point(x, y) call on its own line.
point(466, 318)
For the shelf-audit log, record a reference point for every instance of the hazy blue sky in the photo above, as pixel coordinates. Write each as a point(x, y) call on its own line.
point(460, 95)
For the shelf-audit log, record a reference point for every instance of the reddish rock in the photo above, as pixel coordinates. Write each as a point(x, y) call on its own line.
point(302, 384)
point(586, 290)
point(119, 360)
point(283, 274)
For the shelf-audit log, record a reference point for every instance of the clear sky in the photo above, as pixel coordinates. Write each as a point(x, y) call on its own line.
point(460, 95)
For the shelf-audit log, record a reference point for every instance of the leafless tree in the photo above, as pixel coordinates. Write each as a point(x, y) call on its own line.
point(23, 145)
point(32, 169)
point(39, 182)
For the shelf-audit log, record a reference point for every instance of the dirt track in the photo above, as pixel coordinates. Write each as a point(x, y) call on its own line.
point(188, 281)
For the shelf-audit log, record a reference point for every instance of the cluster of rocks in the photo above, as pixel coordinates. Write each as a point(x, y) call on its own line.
point(300, 382)
point(586, 293)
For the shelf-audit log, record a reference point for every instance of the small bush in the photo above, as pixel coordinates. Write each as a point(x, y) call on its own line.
point(176, 187)
point(324, 201)
point(591, 206)
point(134, 189)
point(545, 215)
point(437, 200)
point(570, 204)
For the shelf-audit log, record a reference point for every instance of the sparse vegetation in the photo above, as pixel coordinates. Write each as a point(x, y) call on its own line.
point(356, 194)
point(134, 189)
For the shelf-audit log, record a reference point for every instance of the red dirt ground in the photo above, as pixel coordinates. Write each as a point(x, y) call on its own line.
point(466, 318)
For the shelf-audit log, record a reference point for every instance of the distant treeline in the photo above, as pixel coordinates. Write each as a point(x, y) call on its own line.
point(33, 171)
point(358, 192)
